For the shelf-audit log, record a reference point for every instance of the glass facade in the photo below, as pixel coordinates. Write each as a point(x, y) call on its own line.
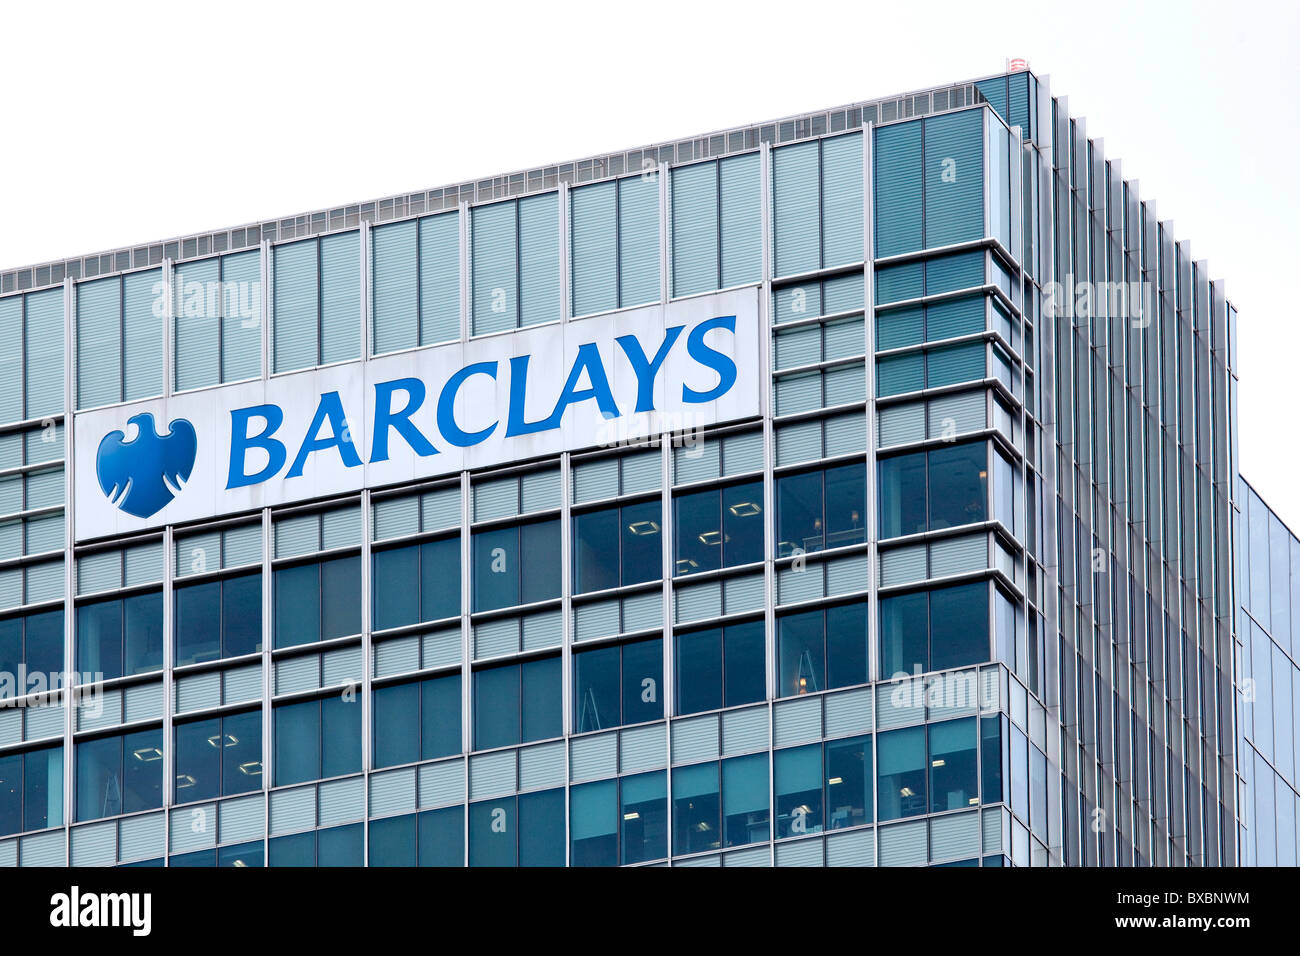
point(979, 586)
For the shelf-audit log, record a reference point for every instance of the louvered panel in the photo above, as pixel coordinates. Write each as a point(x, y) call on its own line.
point(695, 228)
point(897, 283)
point(954, 837)
point(698, 461)
point(197, 553)
point(297, 674)
point(843, 293)
point(99, 572)
point(805, 585)
point(539, 490)
point(441, 648)
point(45, 534)
point(340, 291)
point(397, 656)
point(900, 704)
point(643, 748)
point(341, 666)
point(593, 757)
point(197, 691)
point(241, 317)
point(845, 385)
point(103, 711)
point(194, 827)
point(842, 208)
point(638, 240)
point(957, 414)
point(241, 820)
point(698, 861)
point(897, 202)
point(801, 346)
point(496, 637)
point(797, 721)
point(594, 247)
point(695, 739)
point(900, 424)
point(43, 849)
point(11, 363)
point(341, 801)
point(43, 341)
point(11, 726)
point(642, 612)
point(803, 301)
point(440, 509)
point(800, 853)
point(196, 329)
point(903, 844)
point(44, 581)
point(948, 320)
point(756, 856)
point(595, 480)
point(851, 849)
point(958, 555)
point(742, 453)
point(743, 594)
point(297, 535)
point(293, 810)
point(699, 602)
point(496, 499)
point(954, 178)
point(542, 767)
point(539, 262)
point(950, 273)
point(993, 827)
point(744, 731)
point(845, 339)
point(846, 434)
point(849, 713)
point(141, 838)
point(395, 286)
point(296, 304)
point(493, 243)
point(99, 343)
point(640, 472)
point(392, 792)
point(241, 684)
point(741, 227)
point(142, 702)
point(797, 211)
point(241, 546)
point(955, 364)
point(95, 845)
point(595, 620)
point(394, 517)
point(41, 722)
point(800, 442)
point(442, 784)
point(542, 630)
point(143, 564)
point(846, 575)
point(902, 565)
point(440, 278)
point(341, 528)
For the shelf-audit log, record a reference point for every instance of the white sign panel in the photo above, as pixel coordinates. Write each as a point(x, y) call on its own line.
point(434, 411)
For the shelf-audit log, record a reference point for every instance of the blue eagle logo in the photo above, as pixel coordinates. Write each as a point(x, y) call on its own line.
point(143, 475)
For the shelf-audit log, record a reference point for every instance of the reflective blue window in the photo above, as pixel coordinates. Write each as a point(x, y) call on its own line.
point(718, 528)
point(593, 824)
point(516, 703)
point(799, 807)
point(418, 720)
point(315, 739)
point(337, 846)
point(902, 773)
point(746, 814)
point(219, 756)
point(720, 667)
point(697, 809)
point(821, 509)
point(618, 684)
point(121, 636)
point(849, 783)
point(218, 619)
point(119, 774)
point(616, 547)
point(821, 649)
point(317, 601)
point(643, 810)
point(33, 643)
point(420, 582)
point(31, 790)
point(516, 565)
point(431, 838)
point(933, 630)
point(954, 777)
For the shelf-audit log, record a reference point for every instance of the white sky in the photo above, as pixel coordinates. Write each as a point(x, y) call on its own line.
point(128, 127)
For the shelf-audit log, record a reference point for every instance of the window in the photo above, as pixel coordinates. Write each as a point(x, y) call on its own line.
point(317, 739)
point(515, 268)
point(337, 846)
point(593, 824)
point(944, 487)
point(934, 630)
point(419, 582)
point(954, 776)
point(705, 818)
point(616, 547)
point(119, 774)
point(933, 368)
point(912, 325)
point(317, 601)
point(929, 182)
point(33, 642)
point(516, 703)
point(239, 854)
point(218, 757)
point(527, 830)
point(317, 302)
point(721, 667)
point(418, 720)
point(817, 204)
point(217, 319)
point(31, 377)
point(746, 816)
point(119, 339)
point(32, 490)
point(415, 282)
point(615, 244)
point(821, 509)
point(912, 280)
point(643, 816)
point(121, 636)
point(821, 649)
point(218, 619)
point(518, 564)
point(719, 527)
point(431, 838)
point(716, 224)
point(902, 773)
point(697, 809)
point(31, 790)
point(993, 757)
point(618, 684)
point(809, 800)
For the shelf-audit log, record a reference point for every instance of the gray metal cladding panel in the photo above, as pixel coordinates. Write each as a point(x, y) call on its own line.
point(595, 620)
point(695, 739)
point(392, 792)
point(955, 837)
point(643, 611)
point(397, 656)
point(743, 594)
point(591, 758)
point(643, 748)
point(241, 684)
point(699, 602)
point(242, 819)
point(700, 861)
point(492, 774)
point(43, 849)
point(542, 630)
point(297, 674)
point(903, 844)
point(806, 584)
point(341, 666)
point(105, 710)
point(744, 731)
point(798, 721)
point(197, 691)
point(846, 575)
point(902, 565)
point(542, 767)
point(851, 849)
point(849, 713)
point(800, 853)
point(41, 722)
point(194, 827)
point(95, 845)
point(291, 810)
point(595, 480)
point(442, 783)
point(958, 555)
point(342, 800)
point(900, 704)
point(142, 838)
point(755, 856)
point(143, 702)
point(441, 648)
point(497, 637)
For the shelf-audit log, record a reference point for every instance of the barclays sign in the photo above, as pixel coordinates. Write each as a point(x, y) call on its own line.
point(417, 414)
